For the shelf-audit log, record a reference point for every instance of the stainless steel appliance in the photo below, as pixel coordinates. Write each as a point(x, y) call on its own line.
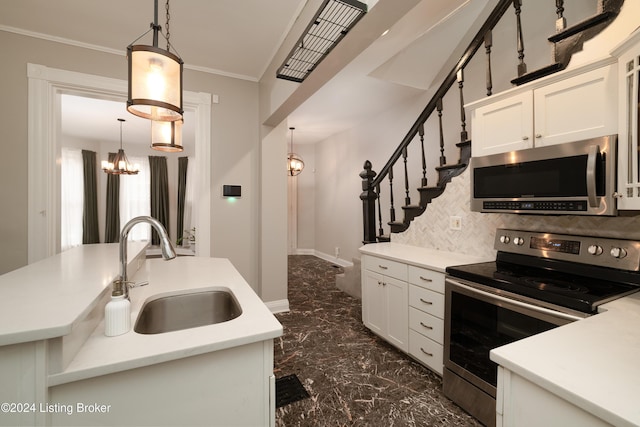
point(539, 281)
point(576, 178)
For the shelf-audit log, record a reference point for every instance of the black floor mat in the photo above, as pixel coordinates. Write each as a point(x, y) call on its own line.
point(289, 389)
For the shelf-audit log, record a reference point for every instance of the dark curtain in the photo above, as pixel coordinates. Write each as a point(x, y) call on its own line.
point(182, 189)
point(90, 233)
point(159, 194)
point(112, 226)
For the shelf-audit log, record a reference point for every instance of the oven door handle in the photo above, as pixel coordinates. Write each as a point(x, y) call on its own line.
point(591, 175)
point(516, 303)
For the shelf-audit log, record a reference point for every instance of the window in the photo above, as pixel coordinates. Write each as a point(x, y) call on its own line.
point(135, 199)
point(72, 198)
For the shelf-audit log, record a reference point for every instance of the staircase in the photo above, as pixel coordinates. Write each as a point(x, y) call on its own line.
point(564, 43)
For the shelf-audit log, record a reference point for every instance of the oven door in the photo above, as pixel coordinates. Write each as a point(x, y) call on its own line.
point(477, 321)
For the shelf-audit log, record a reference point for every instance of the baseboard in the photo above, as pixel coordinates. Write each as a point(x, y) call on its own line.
point(338, 261)
point(279, 306)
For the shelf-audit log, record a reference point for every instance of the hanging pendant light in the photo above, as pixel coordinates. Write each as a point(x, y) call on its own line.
point(155, 77)
point(120, 164)
point(294, 161)
point(166, 136)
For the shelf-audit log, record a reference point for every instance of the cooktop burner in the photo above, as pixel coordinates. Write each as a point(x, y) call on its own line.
point(563, 271)
point(577, 292)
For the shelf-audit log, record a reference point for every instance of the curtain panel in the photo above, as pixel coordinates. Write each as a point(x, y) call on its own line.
point(112, 223)
point(90, 232)
point(183, 163)
point(159, 194)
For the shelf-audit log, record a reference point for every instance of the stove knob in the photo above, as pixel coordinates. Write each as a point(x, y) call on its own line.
point(595, 250)
point(504, 239)
point(618, 252)
point(519, 241)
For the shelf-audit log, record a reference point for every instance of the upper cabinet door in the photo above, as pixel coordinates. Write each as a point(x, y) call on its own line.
point(629, 120)
point(581, 107)
point(503, 126)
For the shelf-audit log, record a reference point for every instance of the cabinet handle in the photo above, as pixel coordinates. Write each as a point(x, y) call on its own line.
point(426, 279)
point(426, 302)
point(380, 283)
point(384, 267)
point(426, 326)
point(525, 138)
point(426, 352)
point(538, 135)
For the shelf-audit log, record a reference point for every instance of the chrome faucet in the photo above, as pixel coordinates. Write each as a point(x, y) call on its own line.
point(121, 285)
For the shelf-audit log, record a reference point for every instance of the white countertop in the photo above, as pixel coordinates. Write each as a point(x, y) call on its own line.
point(103, 355)
point(45, 299)
point(593, 363)
point(421, 257)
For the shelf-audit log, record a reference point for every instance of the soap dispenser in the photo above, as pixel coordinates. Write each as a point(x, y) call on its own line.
point(117, 314)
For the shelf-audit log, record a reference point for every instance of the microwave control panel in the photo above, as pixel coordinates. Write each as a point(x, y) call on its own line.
point(538, 206)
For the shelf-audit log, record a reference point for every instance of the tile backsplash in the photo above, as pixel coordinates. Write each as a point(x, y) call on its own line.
point(431, 229)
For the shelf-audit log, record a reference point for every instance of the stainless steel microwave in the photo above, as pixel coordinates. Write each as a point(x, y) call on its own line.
point(576, 178)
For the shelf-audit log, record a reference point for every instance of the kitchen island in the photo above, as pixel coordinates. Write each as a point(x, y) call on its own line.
point(58, 368)
point(585, 373)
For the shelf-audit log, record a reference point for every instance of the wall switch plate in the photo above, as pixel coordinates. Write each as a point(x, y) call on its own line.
point(455, 223)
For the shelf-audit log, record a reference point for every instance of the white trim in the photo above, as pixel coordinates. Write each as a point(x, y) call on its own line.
point(279, 306)
point(46, 85)
point(337, 261)
point(118, 52)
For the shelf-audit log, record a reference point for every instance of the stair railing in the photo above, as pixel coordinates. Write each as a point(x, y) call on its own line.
point(566, 41)
point(370, 179)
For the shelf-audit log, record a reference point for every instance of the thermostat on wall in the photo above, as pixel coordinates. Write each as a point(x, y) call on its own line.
point(231, 191)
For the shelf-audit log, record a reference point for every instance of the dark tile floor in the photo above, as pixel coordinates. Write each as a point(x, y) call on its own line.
point(354, 378)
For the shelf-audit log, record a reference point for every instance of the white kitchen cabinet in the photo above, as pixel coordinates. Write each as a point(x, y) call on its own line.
point(628, 54)
point(522, 403)
point(384, 300)
point(426, 317)
point(547, 112)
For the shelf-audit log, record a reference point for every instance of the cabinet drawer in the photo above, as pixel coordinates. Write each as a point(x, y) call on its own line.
point(427, 301)
point(427, 351)
point(427, 278)
point(386, 267)
point(426, 324)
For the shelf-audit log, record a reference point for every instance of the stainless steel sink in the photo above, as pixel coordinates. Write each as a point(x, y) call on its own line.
point(185, 311)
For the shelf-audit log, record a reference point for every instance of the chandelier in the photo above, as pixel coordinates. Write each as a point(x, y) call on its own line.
point(155, 76)
point(294, 161)
point(120, 164)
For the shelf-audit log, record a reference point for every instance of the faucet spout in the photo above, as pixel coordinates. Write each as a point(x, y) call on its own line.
point(121, 286)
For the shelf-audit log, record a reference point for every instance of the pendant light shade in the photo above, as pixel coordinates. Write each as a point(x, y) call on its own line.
point(120, 164)
point(295, 164)
point(166, 136)
point(155, 78)
point(155, 83)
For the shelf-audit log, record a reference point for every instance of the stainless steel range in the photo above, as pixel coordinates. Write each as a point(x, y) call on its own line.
point(539, 281)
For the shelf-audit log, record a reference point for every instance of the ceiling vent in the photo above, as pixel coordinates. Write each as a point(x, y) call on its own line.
point(332, 22)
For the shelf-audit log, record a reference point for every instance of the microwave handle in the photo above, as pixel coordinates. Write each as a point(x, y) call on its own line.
point(591, 175)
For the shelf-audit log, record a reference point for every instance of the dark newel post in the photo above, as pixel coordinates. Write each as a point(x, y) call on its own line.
point(368, 197)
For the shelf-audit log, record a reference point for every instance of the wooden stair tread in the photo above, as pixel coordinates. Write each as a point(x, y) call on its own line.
point(581, 26)
point(541, 72)
point(451, 166)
